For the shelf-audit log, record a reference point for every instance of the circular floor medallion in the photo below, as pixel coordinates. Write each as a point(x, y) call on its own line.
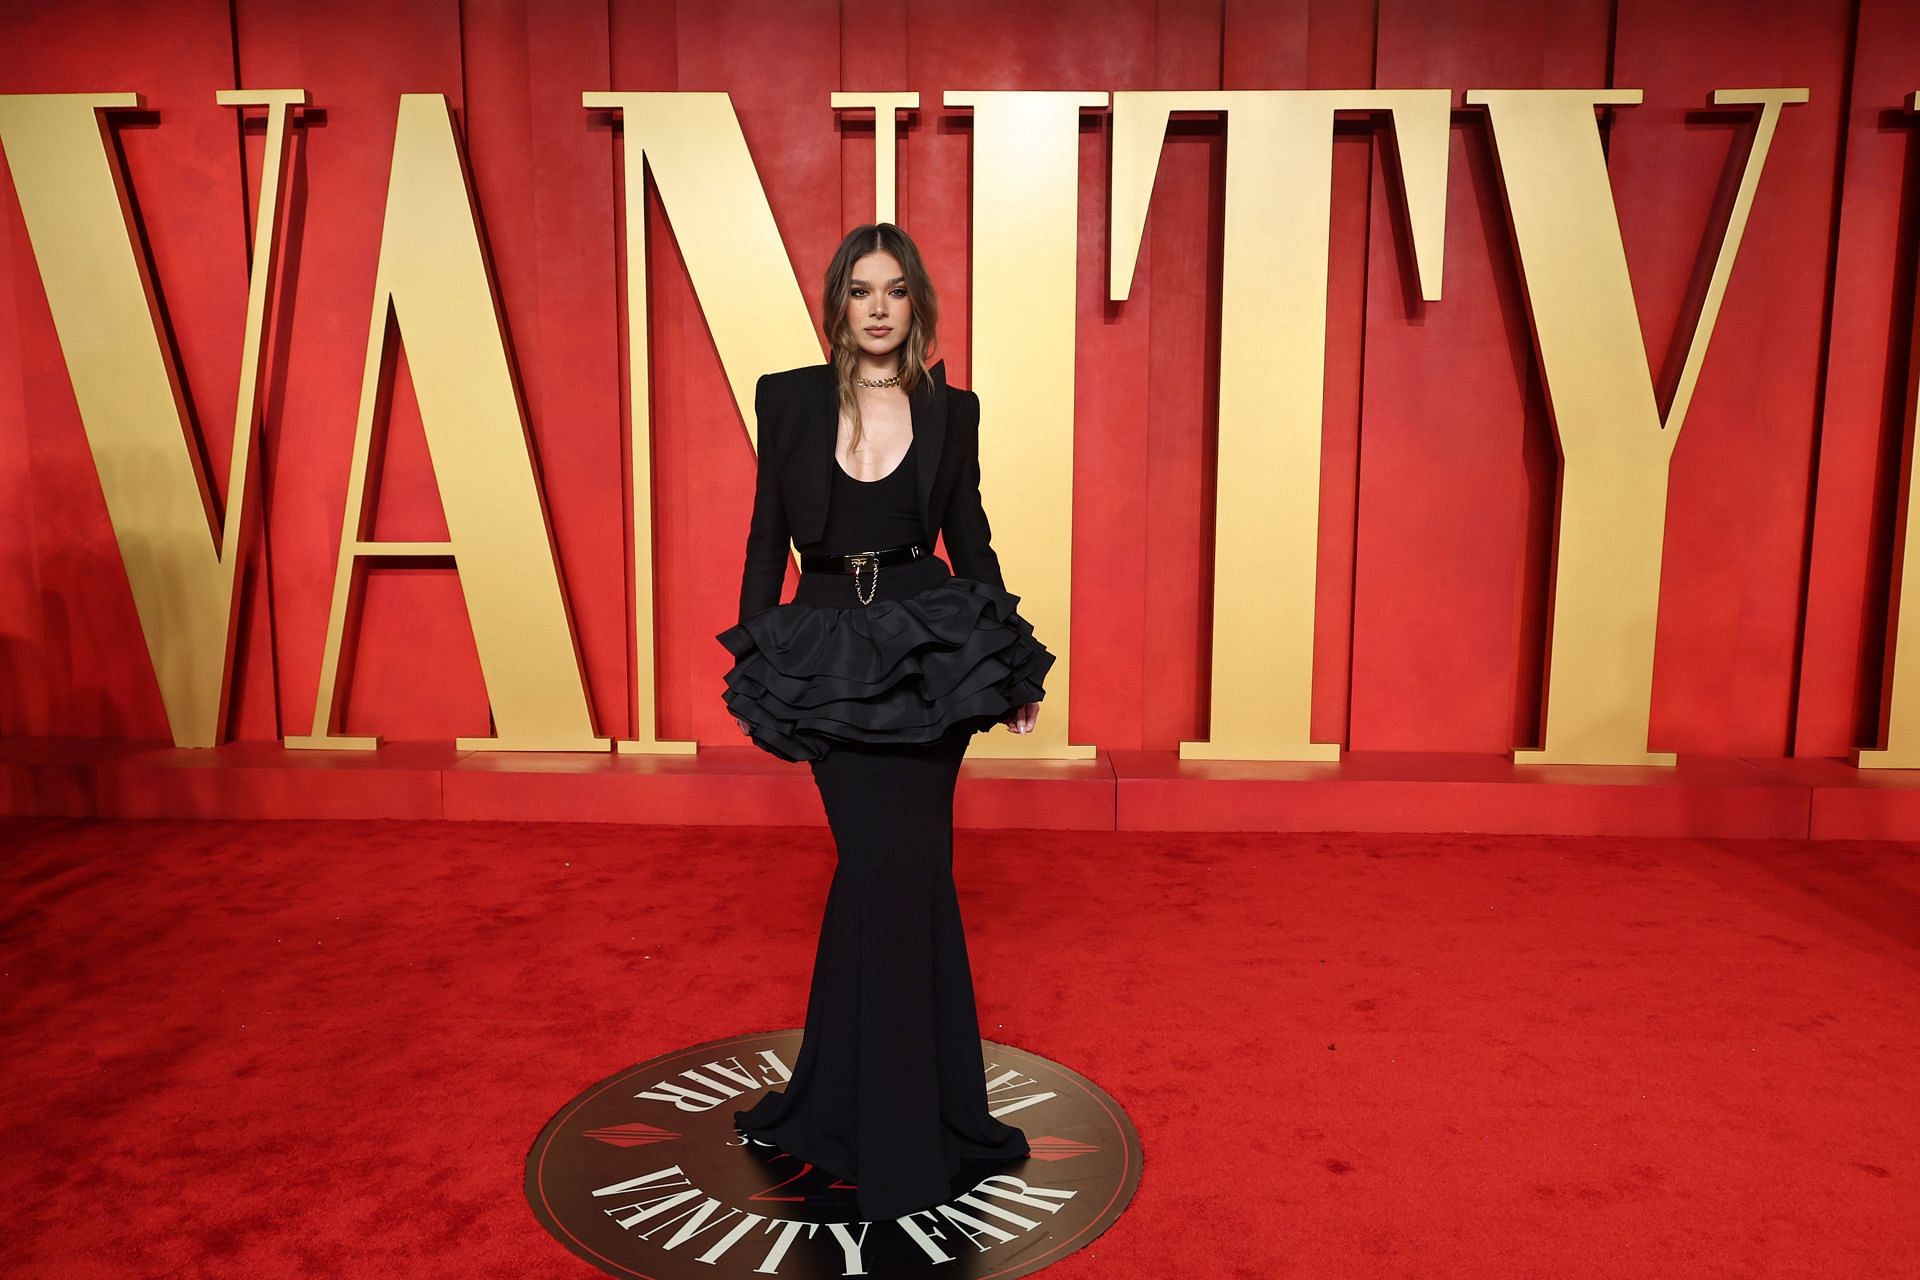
point(645, 1175)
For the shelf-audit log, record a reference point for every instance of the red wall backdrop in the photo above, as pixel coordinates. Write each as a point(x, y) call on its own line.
point(1439, 473)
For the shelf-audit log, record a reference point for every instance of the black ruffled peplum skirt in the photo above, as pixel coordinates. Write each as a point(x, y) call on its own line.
point(931, 654)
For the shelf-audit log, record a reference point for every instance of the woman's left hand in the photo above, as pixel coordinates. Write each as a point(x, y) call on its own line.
point(1021, 719)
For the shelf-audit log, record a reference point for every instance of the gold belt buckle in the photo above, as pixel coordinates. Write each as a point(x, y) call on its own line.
point(860, 560)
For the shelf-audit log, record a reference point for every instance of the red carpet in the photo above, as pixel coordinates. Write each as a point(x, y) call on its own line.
point(305, 1049)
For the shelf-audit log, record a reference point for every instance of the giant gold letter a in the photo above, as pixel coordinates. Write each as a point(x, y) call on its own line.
point(432, 280)
point(1900, 696)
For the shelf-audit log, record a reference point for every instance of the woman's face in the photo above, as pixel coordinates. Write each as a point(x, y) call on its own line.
point(878, 312)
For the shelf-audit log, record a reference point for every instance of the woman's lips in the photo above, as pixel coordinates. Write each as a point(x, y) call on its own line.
point(879, 333)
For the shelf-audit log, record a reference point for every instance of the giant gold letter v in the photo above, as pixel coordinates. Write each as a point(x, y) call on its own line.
point(182, 559)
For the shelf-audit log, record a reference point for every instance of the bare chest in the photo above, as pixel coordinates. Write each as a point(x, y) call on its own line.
point(886, 432)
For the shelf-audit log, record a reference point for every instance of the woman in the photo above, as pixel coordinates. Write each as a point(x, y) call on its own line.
point(878, 673)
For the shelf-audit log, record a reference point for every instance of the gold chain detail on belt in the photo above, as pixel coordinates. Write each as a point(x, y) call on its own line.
point(859, 560)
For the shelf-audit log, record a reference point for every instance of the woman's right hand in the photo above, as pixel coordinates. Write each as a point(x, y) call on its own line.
point(744, 726)
point(1021, 719)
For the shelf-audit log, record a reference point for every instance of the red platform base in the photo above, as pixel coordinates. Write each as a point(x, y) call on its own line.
point(1440, 792)
point(1119, 790)
point(723, 784)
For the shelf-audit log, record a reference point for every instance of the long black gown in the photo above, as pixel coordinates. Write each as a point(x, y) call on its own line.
point(888, 1091)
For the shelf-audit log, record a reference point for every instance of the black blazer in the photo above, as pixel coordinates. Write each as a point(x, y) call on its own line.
point(798, 414)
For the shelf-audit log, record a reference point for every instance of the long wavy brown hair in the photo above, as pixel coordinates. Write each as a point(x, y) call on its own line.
point(913, 350)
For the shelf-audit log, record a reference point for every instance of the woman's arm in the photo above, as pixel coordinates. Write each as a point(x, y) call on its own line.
point(767, 532)
point(968, 536)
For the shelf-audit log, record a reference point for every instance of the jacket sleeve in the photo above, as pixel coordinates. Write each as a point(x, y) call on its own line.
point(968, 536)
point(767, 532)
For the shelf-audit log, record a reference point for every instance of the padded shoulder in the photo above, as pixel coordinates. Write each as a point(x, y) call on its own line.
point(963, 407)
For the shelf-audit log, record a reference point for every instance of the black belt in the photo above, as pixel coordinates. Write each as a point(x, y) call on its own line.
point(871, 561)
point(854, 562)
